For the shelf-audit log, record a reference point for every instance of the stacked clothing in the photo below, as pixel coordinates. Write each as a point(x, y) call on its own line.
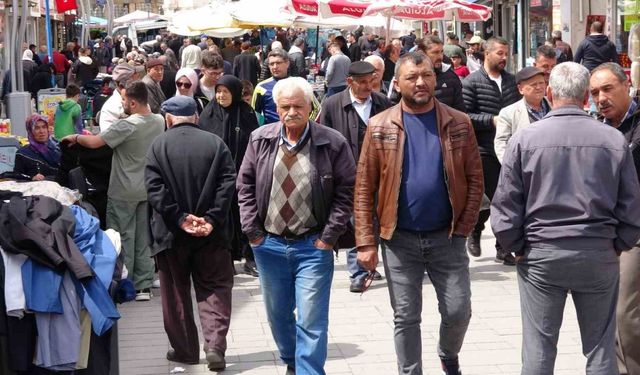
point(58, 277)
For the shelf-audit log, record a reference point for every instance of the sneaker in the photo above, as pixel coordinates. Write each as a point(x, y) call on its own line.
point(156, 284)
point(357, 285)
point(143, 295)
point(377, 276)
point(450, 366)
point(215, 360)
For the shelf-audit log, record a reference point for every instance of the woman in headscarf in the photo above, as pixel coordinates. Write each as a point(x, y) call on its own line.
point(40, 159)
point(28, 68)
point(187, 84)
point(233, 120)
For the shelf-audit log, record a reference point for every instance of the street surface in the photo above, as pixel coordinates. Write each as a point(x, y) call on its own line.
point(360, 329)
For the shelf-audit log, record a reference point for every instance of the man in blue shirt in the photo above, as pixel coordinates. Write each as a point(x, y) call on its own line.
point(420, 172)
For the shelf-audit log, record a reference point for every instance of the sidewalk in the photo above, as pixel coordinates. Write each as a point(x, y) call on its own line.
point(360, 329)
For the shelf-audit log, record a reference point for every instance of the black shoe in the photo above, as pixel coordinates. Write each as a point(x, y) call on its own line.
point(473, 244)
point(250, 268)
point(290, 371)
point(377, 276)
point(215, 360)
point(450, 366)
point(505, 258)
point(171, 356)
point(357, 285)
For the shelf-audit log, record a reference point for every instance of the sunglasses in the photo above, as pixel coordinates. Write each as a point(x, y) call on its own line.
point(368, 281)
point(186, 85)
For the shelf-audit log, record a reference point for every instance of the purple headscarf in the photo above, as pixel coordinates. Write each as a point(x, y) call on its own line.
point(43, 148)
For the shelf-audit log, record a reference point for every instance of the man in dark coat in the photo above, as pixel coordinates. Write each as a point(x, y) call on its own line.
point(609, 86)
point(190, 179)
point(348, 112)
point(486, 91)
point(355, 52)
point(246, 64)
point(448, 85)
point(595, 49)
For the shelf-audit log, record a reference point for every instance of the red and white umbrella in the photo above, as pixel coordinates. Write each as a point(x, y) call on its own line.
point(330, 8)
point(430, 10)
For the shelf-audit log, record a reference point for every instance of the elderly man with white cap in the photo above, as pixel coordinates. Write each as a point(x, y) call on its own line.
point(190, 178)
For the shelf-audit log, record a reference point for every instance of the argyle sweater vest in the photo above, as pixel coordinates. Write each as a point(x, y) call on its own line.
point(290, 209)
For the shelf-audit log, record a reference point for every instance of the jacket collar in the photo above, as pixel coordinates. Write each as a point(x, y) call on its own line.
point(345, 98)
point(317, 135)
point(569, 110)
point(442, 115)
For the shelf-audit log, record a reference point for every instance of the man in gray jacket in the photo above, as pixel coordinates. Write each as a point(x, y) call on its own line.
point(337, 70)
point(567, 223)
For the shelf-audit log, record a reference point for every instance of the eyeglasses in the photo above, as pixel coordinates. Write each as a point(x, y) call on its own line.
point(186, 85)
point(368, 281)
point(214, 72)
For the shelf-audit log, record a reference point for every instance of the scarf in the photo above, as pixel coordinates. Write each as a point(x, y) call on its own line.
point(48, 150)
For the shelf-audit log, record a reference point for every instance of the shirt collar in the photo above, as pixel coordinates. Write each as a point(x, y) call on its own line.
point(632, 108)
point(355, 101)
point(292, 146)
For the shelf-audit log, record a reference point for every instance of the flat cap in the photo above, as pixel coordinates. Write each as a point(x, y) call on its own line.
point(122, 72)
point(475, 40)
point(152, 62)
point(180, 106)
point(361, 68)
point(526, 73)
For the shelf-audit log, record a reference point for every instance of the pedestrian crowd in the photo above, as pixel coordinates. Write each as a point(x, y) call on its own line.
point(210, 151)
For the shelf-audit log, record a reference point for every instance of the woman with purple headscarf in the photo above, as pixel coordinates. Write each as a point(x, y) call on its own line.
point(40, 159)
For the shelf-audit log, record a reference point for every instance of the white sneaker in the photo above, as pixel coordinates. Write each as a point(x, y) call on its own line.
point(143, 295)
point(156, 284)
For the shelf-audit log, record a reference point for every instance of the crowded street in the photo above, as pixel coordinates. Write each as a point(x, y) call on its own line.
point(360, 330)
point(313, 187)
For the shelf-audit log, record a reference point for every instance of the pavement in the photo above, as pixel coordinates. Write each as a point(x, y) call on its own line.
point(360, 329)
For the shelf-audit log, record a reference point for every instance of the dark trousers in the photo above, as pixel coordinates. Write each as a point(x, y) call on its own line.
point(628, 313)
point(491, 173)
point(210, 268)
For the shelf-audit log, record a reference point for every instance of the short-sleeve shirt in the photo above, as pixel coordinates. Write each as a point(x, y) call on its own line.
point(130, 139)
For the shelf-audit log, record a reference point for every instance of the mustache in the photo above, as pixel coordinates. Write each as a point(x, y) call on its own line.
point(605, 104)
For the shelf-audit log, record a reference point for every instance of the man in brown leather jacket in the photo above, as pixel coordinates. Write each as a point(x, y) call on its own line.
point(420, 173)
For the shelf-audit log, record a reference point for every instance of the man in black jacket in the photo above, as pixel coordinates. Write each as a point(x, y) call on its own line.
point(486, 91)
point(355, 52)
point(595, 49)
point(190, 177)
point(448, 85)
point(609, 86)
point(348, 112)
point(246, 65)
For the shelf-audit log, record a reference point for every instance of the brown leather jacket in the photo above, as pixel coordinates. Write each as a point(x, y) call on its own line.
point(380, 171)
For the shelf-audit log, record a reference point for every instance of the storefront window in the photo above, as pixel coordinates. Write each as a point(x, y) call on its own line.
point(628, 15)
point(540, 21)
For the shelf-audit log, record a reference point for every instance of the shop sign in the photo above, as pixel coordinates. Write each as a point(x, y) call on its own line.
point(631, 11)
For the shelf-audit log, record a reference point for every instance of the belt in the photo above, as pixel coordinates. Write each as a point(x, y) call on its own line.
point(295, 237)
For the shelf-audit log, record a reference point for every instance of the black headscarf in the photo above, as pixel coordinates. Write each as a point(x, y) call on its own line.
point(234, 123)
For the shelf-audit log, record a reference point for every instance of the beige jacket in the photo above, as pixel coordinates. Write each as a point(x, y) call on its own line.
point(510, 119)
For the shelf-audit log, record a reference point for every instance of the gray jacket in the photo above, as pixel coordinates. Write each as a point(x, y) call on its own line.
point(567, 183)
point(156, 96)
point(333, 178)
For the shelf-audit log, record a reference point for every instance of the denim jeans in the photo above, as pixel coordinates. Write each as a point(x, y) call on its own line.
point(295, 275)
point(405, 257)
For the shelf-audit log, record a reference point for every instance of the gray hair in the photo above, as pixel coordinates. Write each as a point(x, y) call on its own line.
point(193, 119)
point(614, 68)
point(372, 58)
point(569, 80)
point(291, 84)
point(279, 52)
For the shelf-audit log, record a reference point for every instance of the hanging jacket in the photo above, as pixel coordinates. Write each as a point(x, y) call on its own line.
point(42, 229)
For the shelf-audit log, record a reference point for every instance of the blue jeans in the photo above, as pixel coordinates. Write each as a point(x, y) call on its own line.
point(356, 272)
point(295, 275)
point(334, 90)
